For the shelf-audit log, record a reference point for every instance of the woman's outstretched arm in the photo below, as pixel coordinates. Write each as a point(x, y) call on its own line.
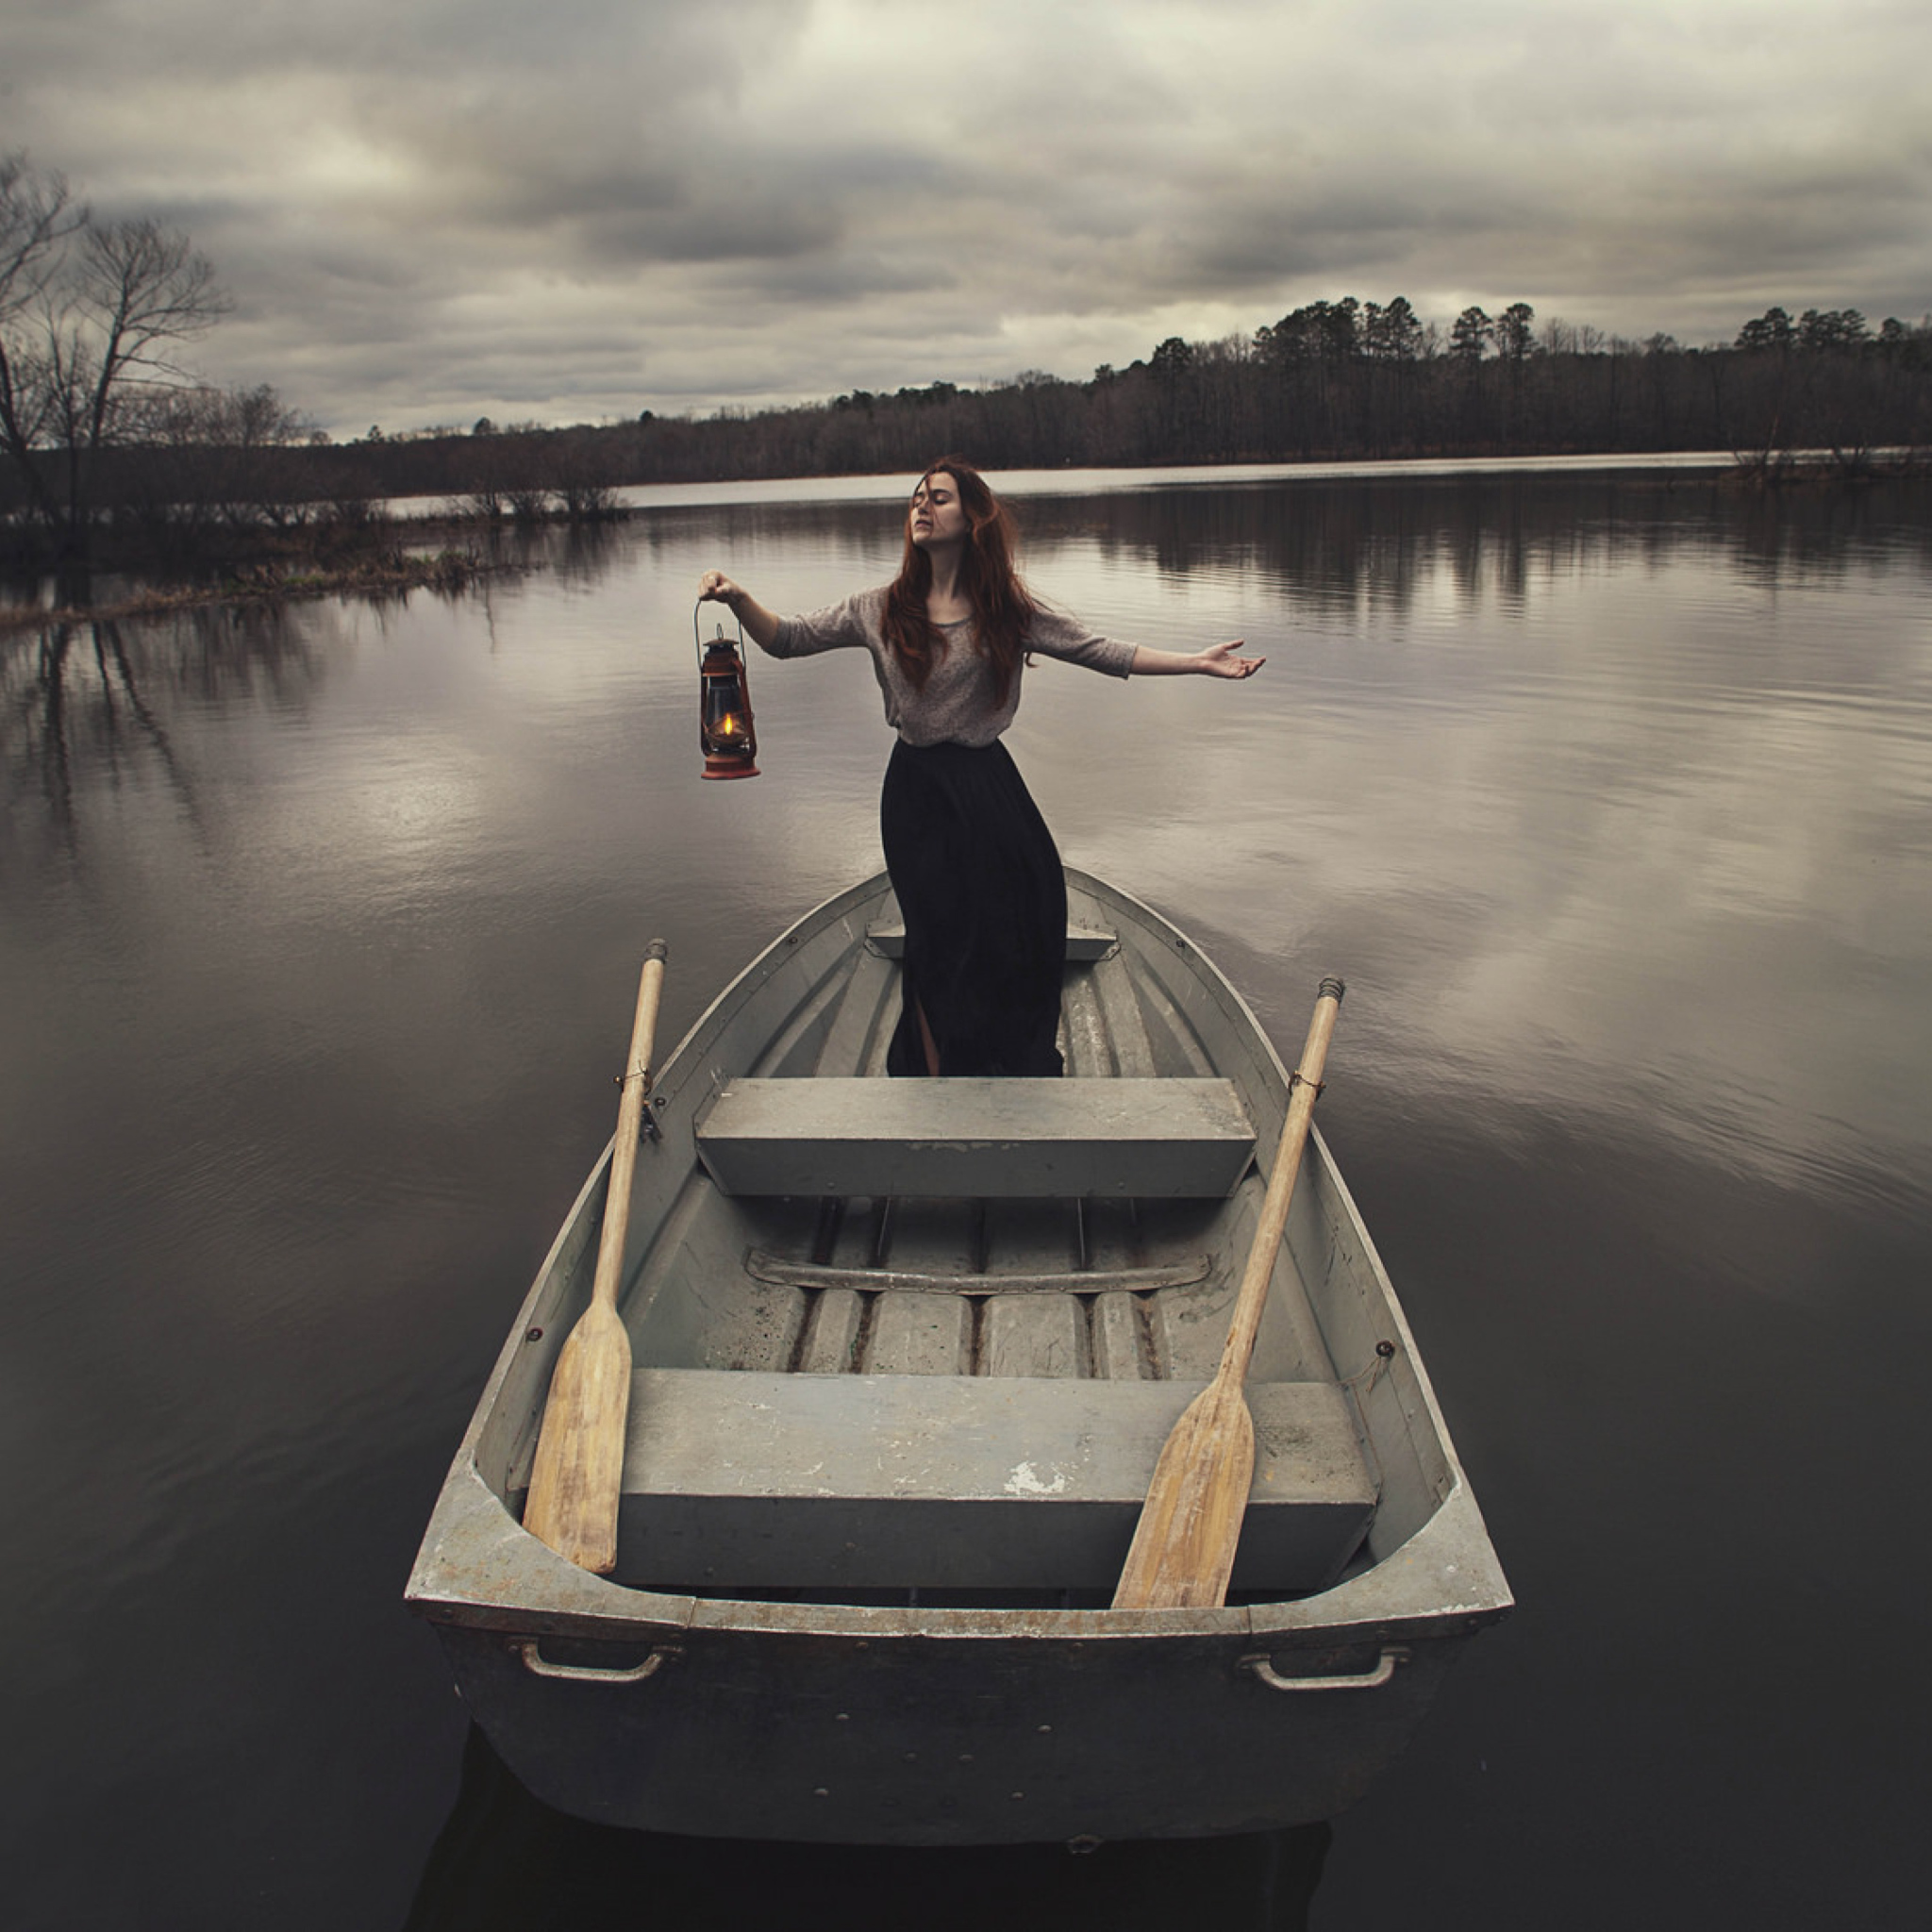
point(760, 625)
point(1214, 661)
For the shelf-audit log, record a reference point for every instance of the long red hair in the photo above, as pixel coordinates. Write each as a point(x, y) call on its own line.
point(1003, 611)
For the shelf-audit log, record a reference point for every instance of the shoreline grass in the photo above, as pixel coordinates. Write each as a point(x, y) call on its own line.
point(389, 572)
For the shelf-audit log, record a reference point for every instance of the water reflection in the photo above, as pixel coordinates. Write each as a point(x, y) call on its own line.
point(1610, 798)
point(86, 708)
point(504, 1862)
point(1535, 754)
point(1367, 545)
point(1366, 553)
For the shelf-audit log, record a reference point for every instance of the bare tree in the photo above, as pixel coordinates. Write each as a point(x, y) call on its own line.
point(91, 314)
point(137, 290)
point(213, 458)
point(37, 217)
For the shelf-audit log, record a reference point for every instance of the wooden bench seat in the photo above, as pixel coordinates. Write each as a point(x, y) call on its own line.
point(1123, 1139)
point(739, 1479)
point(1085, 943)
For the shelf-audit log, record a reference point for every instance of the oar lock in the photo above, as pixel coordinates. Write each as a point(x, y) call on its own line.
point(647, 1125)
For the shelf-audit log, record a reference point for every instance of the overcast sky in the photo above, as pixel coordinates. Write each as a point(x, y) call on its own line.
point(429, 210)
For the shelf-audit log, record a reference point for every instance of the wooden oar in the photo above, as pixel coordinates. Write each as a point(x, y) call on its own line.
point(1190, 1523)
point(579, 1469)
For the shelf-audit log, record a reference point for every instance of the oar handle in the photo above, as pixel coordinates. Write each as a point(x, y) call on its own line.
point(636, 1083)
point(1304, 1088)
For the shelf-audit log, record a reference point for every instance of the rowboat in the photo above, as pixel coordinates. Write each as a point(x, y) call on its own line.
point(905, 1353)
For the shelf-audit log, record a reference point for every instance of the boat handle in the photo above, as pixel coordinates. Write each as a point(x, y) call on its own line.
point(1263, 1667)
point(531, 1650)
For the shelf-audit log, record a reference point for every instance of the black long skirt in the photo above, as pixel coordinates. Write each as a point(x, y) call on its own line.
point(980, 886)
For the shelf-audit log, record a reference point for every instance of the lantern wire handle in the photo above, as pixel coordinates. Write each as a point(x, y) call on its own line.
point(697, 635)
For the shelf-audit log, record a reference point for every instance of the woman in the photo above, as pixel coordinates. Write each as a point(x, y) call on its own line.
point(974, 869)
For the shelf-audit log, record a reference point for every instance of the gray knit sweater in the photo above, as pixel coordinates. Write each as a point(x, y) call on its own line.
point(957, 704)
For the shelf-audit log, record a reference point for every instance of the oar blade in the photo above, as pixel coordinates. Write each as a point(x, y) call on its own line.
point(578, 1472)
point(1190, 1524)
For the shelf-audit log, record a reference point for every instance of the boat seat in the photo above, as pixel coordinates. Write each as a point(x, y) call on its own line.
point(1168, 1138)
point(739, 1479)
point(1085, 943)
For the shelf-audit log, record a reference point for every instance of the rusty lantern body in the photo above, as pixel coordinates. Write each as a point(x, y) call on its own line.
point(724, 723)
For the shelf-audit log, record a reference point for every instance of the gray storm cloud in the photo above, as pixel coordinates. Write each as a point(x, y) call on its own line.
point(432, 212)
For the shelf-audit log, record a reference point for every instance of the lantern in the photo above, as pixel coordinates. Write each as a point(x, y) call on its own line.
point(725, 723)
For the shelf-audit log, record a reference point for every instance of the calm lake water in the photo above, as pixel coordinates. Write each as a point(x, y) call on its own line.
point(1610, 795)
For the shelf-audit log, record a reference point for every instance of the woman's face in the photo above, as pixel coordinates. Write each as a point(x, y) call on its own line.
point(937, 515)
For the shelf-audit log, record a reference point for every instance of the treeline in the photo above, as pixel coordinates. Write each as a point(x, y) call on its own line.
point(1331, 380)
point(1349, 379)
point(103, 437)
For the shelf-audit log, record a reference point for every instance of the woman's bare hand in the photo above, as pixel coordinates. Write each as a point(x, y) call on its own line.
point(1219, 660)
point(761, 625)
